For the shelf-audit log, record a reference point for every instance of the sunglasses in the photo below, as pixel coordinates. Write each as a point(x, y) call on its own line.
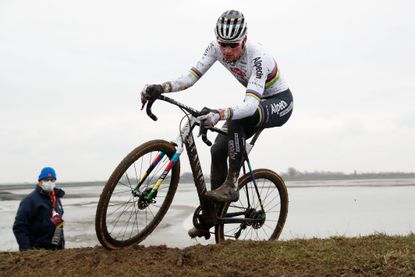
point(231, 45)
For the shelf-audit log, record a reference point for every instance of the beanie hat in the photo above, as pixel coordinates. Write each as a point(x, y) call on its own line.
point(47, 172)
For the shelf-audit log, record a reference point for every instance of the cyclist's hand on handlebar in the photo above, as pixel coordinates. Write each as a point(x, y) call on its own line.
point(151, 92)
point(210, 119)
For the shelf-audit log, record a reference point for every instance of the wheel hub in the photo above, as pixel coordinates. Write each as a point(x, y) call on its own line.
point(144, 199)
point(258, 215)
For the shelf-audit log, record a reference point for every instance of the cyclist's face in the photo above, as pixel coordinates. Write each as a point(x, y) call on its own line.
point(233, 51)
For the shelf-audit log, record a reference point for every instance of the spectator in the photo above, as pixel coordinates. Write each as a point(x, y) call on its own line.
point(39, 223)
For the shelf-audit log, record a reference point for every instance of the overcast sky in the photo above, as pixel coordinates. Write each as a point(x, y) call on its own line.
point(71, 72)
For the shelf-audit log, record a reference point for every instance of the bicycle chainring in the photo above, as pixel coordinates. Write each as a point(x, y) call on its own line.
point(196, 217)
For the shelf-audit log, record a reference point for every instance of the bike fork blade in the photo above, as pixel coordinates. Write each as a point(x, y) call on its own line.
point(163, 176)
point(153, 165)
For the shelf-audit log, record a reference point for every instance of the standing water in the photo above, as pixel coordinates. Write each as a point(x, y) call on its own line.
point(316, 209)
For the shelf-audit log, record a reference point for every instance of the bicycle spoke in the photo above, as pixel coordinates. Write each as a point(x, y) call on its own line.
point(269, 226)
point(122, 204)
point(234, 229)
point(135, 221)
point(141, 168)
point(119, 217)
point(247, 232)
point(122, 193)
point(136, 175)
point(263, 229)
point(128, 179)
point(119, 182)
point(268, 193)
point(151, 212)
point(128, 224)
point(276, 205)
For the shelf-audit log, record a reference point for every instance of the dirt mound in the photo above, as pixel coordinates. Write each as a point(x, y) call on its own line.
point(373, 255)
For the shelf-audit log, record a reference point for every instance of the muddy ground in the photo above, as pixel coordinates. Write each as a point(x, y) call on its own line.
point(366, 256)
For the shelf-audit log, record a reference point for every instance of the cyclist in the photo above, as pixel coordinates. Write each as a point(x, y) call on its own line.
point(268, 100)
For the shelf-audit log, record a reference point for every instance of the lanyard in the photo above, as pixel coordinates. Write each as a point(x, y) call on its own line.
point(53, 200)
point(56, 218)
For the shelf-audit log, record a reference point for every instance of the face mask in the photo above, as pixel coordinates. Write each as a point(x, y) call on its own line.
point(48, 186)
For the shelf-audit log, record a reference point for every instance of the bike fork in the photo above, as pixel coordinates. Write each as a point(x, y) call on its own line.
point(154, 163)
point(163, 176)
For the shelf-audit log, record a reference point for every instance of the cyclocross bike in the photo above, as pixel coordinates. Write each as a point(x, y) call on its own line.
point(140, 190)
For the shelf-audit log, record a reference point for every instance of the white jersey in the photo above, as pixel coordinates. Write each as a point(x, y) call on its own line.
point(256, 70)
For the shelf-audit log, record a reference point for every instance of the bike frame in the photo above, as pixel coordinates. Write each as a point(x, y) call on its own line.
point(186, 138)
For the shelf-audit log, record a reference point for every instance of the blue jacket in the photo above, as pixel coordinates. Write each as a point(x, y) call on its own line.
point(32, 226)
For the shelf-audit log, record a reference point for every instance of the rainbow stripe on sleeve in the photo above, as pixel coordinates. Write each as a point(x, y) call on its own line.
point(229, 113)
point(273, 76)
point(261, 116)
point(253, 93)
point(196, 73)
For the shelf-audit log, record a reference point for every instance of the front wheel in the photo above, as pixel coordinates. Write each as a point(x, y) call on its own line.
point(266, 222)
point(128, 210)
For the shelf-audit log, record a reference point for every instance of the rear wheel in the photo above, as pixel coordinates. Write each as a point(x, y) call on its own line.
point(125, 214)
point(268, 222)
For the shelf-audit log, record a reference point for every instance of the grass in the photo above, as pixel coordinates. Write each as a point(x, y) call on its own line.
point(375, 255)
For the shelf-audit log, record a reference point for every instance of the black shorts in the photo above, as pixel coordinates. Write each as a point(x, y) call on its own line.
point(273, 111)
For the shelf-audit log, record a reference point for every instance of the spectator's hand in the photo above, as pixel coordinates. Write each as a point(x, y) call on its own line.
point(57, 219)
point(151, 92)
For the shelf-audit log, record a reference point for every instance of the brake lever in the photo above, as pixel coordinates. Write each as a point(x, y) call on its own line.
point(206, 140)
point(203, 133)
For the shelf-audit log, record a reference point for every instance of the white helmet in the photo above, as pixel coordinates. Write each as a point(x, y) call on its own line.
point(231, 27)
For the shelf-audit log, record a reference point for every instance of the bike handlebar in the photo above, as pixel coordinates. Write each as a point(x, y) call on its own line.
point(148, 110)
point(190, 110)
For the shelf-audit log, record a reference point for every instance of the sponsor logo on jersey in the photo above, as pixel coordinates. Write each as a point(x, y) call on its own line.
point(258, 67)
point(287, 110)
point(237, 71)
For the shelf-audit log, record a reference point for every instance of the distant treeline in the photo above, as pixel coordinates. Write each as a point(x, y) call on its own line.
point(293, 174)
